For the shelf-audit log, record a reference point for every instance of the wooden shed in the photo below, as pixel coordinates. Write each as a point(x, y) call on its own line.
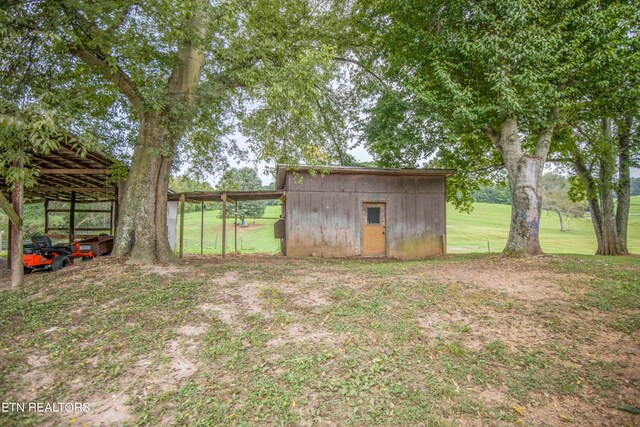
point(338, 211)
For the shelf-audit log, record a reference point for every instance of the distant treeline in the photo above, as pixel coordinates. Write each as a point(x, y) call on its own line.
point(501, 195)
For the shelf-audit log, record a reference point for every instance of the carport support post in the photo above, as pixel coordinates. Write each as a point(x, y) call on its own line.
point(72, 218)
point(46, 216)
point(182, 198)
point(235, 229)
point(17, 272)
point(224, 224)
point(9, 240)
point(201, 227)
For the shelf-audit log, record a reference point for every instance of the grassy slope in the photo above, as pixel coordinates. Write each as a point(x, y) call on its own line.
point(265, 340)
point(466, 232)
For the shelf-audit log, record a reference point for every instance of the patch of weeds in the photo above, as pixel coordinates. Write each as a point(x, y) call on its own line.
point(497, 350)
point(608, 295)
point(340, 293)
point(627, 324)
point(273, 297)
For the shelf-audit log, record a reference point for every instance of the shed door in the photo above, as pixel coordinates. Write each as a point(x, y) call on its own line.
point(373, 226)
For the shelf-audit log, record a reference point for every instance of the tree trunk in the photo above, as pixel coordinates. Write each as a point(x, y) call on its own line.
point(609, 242)
point(142, 222)
point(624, 181)
point(560, 218)
point(599, 191)
point(525, 208)
point(524, 173)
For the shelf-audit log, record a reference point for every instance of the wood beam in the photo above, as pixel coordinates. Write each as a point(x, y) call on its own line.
point(111, 219)
point(17, 270)
point(181, 224)
point(49, 162)
point(72, 218)
point(201, 228)
point(46, 216)
point(9, 210)
point(224, 224)
point(106, 190)
point(86, 171)
point(9, 240)
point(116, 206)
point(81, 210)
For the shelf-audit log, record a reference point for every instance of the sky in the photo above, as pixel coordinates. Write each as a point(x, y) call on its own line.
point(360, 154)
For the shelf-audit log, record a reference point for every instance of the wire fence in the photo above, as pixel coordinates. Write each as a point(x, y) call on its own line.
point(203, 233)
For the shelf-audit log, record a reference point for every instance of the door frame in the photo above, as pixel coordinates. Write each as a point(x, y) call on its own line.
point(361, 218)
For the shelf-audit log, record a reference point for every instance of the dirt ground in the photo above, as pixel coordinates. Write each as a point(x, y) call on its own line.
point(264, 340)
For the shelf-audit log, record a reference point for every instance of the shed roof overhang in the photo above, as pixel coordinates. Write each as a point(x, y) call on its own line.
point(63, 171)
point(232, 196)
point(357, 170)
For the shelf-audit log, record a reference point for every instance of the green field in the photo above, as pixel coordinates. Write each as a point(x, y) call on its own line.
point(487, 227)
point(490, 223)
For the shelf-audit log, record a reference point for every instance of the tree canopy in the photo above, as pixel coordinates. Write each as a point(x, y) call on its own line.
point(244, 179)
point(499, 77)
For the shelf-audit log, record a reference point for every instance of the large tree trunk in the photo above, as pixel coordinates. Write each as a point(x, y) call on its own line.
point(525, 188)
point(142, 220)
point(524, 173)
point(142, 232)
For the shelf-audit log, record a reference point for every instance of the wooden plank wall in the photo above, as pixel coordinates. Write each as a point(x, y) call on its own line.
point(323, 214)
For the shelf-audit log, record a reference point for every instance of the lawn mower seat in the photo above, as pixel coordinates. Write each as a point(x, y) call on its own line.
point(41, 242)
point(45, 244)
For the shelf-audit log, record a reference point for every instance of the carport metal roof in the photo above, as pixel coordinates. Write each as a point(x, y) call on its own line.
point(64, 171)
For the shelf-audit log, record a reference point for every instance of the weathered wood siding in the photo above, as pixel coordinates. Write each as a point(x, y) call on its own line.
point(323, 214)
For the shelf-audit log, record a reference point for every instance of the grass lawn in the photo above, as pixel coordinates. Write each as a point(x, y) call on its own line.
point(266, 340)
point(490, 222)
point(465, 232)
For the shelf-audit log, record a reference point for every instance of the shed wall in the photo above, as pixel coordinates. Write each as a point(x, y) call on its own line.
point(323, 214)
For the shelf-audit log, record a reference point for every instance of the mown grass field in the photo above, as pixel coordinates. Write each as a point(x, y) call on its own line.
point(265, 340)
point(484, 229)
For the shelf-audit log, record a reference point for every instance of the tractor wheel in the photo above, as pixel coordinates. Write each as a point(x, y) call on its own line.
point(27, 270)
point(59, 262)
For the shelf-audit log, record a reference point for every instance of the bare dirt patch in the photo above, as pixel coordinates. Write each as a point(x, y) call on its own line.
point(104, 411)
point(234, 300)
point(193, 330)
point(301, 333)
point(37, 377)
point(527, 280)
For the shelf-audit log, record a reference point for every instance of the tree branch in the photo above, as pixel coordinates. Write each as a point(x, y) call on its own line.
point(116, 75)
point(492, 134)
point(544, 142)
point(96, 58)
point(367, 70)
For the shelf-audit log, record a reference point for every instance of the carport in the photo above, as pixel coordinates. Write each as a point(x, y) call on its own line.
point(62, 175)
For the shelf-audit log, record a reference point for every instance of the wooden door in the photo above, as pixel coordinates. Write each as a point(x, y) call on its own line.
point(373, 229)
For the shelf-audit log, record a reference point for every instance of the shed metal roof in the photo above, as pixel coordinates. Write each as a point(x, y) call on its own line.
point(63, 170)
point(357, 170)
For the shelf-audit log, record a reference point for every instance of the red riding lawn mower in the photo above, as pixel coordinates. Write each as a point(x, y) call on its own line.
point(42, 254)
